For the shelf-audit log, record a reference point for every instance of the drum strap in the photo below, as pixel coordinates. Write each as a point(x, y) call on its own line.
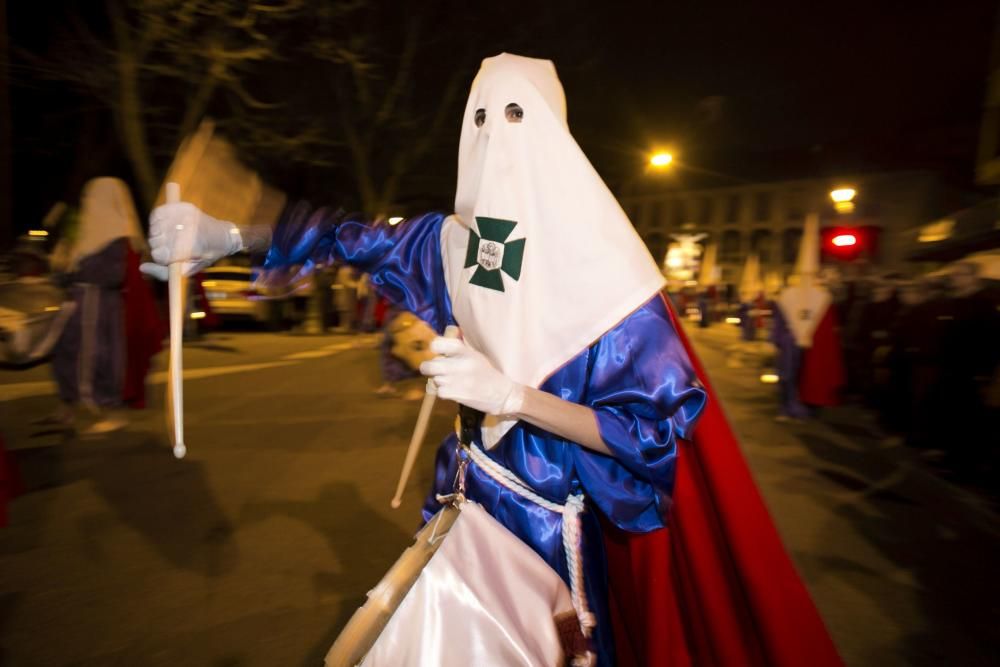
point(571, 531)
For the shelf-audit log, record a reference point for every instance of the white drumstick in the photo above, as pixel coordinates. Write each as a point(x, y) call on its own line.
point(419, 431)
point(176, 291)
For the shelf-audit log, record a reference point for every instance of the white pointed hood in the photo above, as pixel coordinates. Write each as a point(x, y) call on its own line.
point(750, 283)
point(708, 273)
point(107, 213)
point(540, 259)
point(807, 263)
point(804, 304)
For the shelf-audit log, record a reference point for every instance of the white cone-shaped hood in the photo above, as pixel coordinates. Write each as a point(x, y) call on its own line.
point(805, 303)
point(750, 282)
point(708, 274)
point(807, 263)
point(107, 213)
point(540, 259)
point(773, 283)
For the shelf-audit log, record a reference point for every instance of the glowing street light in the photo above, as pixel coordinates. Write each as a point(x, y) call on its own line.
point(661, 159)
point(843, 199)
point(395, 220)
point(843, 194)
point(844, 240)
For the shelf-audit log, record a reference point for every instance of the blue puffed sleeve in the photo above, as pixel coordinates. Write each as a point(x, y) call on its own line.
point(403, 260)
point(645, 394)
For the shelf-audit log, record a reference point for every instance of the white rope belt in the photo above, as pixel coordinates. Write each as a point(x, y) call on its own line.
point(571, 531)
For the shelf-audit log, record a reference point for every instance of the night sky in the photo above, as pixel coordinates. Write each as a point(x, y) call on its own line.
point(746, 90)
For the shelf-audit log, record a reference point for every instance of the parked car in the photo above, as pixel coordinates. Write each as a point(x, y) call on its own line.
point(232, 295)
point(32, 315)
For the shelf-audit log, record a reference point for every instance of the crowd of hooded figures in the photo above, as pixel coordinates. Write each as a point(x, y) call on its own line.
point(921, 352)
point(924, 354)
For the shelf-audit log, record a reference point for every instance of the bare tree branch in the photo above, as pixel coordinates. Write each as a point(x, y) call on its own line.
point(404, 70)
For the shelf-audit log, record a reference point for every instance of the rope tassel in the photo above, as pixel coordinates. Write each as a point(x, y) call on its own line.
point(571, 530)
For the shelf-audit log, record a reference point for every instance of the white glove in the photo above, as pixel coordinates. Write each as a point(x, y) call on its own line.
point(183, 233)
point(464, 375)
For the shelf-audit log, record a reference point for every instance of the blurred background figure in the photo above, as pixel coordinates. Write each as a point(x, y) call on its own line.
point(867, 340)
point(10, 482)
point(323, 277)
point(368, 306)
point(909, 351)
point(753, 303)
point(345, 290)
point(708, 286)
point(102, 356)
point(405, 345)
point(809, 359)
point(968, 356)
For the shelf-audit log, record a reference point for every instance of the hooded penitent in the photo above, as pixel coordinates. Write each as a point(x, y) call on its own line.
point(806, 312)
point(805, 304)
point(751, 286)
point(540, 260)
point(708, 274)
point(106, 214)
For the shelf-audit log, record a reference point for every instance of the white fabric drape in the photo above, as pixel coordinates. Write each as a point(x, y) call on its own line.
point(540, 260)
point(504, 593)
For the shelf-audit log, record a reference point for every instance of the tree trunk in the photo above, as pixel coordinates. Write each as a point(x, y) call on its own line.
point(133, 130)
point(198, 104)
point(6, 171)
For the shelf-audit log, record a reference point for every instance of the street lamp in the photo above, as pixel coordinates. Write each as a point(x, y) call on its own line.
point(661, 160)
point(843, 199)
point(844, 240)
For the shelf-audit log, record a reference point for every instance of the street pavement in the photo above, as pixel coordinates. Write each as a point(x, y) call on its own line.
point(256, 548)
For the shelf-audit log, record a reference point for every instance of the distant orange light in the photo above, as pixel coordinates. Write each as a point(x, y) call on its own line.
point(661, 159)
point(845, 240)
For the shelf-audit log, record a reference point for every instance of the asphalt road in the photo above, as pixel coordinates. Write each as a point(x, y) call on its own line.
point(256, 548)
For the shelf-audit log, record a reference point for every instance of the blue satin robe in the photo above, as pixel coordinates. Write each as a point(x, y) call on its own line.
point(636, 377)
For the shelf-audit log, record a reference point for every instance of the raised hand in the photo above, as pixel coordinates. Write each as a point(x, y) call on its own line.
point(181, 232)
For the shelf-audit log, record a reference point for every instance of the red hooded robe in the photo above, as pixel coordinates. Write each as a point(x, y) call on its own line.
point(716, 586)
point(144, 332)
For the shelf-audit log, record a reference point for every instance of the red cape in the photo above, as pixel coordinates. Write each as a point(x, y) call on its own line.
point(716, 587)
point(144, 332)
point(10, 482)
point(822, 374)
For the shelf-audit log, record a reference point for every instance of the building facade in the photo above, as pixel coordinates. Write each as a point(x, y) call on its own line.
point(767, 218)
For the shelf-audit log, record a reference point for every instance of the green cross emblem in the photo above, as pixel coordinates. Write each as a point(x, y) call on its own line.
point(491, 253)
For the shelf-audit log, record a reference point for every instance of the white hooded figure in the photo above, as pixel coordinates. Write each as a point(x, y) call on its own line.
point(539, 250)
point(804, 304)
point(751, 285)
point(567, 347)
point(89, 353)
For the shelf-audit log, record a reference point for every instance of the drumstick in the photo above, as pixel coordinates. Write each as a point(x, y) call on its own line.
point(419, 431)
point(175, 279)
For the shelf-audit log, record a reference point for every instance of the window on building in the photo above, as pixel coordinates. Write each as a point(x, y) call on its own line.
point(733, 208)
point(704, 211)
point(790, 240)
point(679, 214)
point(760, 243)
point(655, 215)
point(795, 208)
point(656, 241)
point(762, 207)
point(730, 248)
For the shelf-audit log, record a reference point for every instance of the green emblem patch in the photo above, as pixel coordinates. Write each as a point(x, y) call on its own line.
point(491, 253)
